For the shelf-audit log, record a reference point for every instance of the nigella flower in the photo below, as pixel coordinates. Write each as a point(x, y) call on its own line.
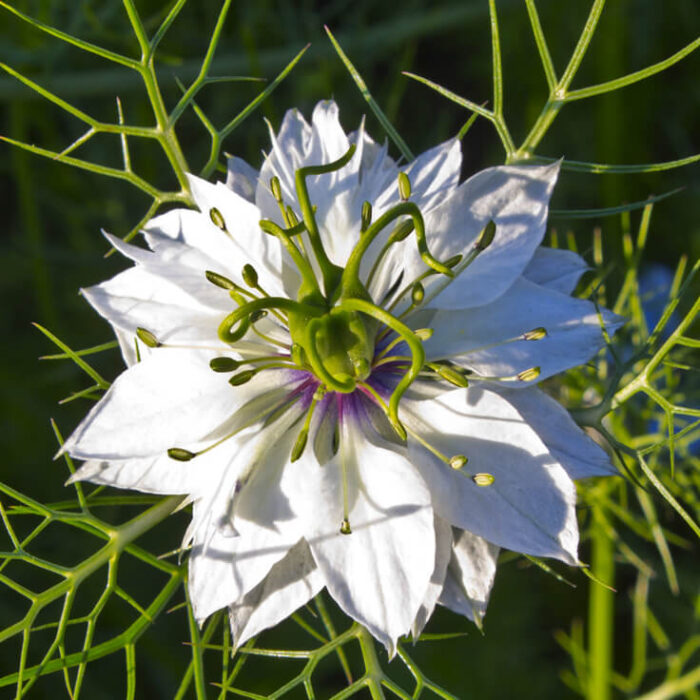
point(338, 359)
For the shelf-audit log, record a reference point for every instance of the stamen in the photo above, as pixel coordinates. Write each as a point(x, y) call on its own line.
point(221, 281)
point(366, 217)
point(422, 333)
point(345, 528)
point(217, 219)
point(527, 375)
point(486, 237)
point(458, 461)
point(450, 262)
point(449, 374)
point(535, 334)
point(250, 276)
point(242, 377)
point(147, 338)
point(302, 438)
point(483, 241)
point(276, 189)
point(224, 364)
point(483, 479)
point(401, 232)
point(417, 294)
point(404, 187)
point(300, 260)
point(181, 455)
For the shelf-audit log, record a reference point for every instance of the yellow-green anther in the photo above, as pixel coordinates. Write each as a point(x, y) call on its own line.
point(224, 364)
point(298, 355)
point(242, 377)
point(345, 528)
point(529, 374)
point(217, 218)
point(535, 334)
point(257, 315)
point(300, 444)
point(404, 187)
point(417, 294)
point(181, 455)
point(483, 479)
point(424, 333)
point(276, 189)
point(486, 237)
point(458, 461)
point(366, 218)
point(250, 276)
point(147, 338)
point(292, 218)
point(220, 280)
point(452, 376)
point(402, 231)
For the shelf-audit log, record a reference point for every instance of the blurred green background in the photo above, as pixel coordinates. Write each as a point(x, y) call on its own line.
point(51, 243)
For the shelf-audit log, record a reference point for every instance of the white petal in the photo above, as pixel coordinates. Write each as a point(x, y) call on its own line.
point(224, 567)
point(556, 269)
point(470, 576)
point(170, 399)
point(241, 178)
point(137, 298)
point(289, 148)
point(570, 445)
point(573, 332)
point(530, 505)
point(291, 583)
point(150, 475)
point(516, 198)
point(234, 543)
point(181, 266)
point(443, 551)
point(377, 174)
point(434, 175)
point(379, 574)
point(245, 242)
point(208, 244)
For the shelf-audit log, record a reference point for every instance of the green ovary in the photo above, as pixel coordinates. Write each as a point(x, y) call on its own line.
point(338, 346)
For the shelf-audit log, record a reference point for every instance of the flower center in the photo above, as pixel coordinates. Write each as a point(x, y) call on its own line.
point(334, 323)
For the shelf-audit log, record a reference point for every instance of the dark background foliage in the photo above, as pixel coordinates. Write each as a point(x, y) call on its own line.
point(52, 214)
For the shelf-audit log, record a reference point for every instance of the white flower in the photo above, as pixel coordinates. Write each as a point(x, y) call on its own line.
point(343, 449)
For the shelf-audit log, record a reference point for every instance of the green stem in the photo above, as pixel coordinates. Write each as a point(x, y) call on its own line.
point(601, 611)
point(373, 669)
point(558, 94)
